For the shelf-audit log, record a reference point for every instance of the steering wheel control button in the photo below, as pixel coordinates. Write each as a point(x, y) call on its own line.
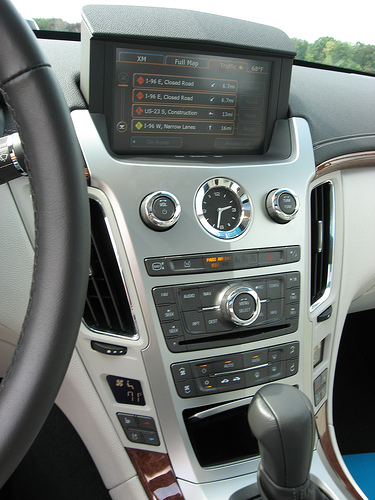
point(282, 205)
point(126, 390)
point(109, 349)
point(12, 160)
point(223, 208)
point(160, 210)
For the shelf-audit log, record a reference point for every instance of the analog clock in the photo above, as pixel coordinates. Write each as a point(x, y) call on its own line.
point(223, 208)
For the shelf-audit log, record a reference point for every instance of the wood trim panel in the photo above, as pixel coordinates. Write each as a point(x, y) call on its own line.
point(321, 419)
point(355, 160)
point(156, 474)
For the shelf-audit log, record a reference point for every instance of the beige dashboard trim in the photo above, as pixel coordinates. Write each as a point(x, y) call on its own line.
point(355, 160)
point(321, 420)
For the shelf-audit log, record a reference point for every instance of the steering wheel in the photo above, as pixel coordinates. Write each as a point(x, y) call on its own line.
point(62, 245)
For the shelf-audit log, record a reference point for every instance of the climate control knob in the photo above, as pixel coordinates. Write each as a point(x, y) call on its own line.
point(282, 205)
point(160, 210)
point(240, 304)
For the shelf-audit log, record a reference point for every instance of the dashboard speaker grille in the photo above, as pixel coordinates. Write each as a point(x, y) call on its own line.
point(107, 308)
point(321, 240)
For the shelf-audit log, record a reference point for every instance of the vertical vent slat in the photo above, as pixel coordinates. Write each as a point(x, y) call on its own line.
point(321, 239)
point(107, 307)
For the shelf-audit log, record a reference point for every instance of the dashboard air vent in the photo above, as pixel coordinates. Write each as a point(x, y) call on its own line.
point(107, 307)
point(321, 241)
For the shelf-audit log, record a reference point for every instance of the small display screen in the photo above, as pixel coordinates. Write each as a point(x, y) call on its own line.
point(178, 103)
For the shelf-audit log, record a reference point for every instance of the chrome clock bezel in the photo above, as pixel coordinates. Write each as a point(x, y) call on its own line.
point(243, 200)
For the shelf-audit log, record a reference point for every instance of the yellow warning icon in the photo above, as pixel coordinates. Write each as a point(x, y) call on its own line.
point(139, 125)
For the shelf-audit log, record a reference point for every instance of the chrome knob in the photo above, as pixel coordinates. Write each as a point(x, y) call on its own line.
point(160, 210)
point(282, 205)
point(240, 305)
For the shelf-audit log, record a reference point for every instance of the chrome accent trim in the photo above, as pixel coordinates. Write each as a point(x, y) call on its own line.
point(228, 298)
point(332, 227)
point(220, 409)
point(243, 200)
point(273, 206)
point(12, 142)
point(242, 370)
point(150, 219)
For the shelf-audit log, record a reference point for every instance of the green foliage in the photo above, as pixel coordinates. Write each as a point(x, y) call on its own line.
point(327, 50)
point(54, 24)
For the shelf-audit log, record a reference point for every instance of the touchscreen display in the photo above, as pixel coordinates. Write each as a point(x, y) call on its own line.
point(179, 103)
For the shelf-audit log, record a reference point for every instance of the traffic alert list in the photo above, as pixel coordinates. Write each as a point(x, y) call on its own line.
point(178, 101)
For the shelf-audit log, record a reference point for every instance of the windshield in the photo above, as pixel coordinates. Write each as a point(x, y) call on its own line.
point(331, 33)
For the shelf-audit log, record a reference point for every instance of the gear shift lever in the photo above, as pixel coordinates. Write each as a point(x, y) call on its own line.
point(282, 419)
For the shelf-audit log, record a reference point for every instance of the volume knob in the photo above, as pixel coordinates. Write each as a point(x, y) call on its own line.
point(240, 305)
point(160, 210)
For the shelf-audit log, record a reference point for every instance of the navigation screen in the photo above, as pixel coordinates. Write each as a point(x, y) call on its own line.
point(177, 103)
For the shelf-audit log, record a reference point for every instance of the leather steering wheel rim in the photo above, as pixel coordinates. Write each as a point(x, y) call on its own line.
point(62, 245)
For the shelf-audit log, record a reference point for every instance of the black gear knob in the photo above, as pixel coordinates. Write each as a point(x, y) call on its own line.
point(282, 419)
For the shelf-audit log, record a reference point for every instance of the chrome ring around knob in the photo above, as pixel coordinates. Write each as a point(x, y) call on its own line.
point(275, 209)
point(228, 304)
point(149, 216)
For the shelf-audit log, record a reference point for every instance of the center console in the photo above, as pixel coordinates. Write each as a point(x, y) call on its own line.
point(203, 184)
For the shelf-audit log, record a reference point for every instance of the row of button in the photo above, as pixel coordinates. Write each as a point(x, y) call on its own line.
point(185, 312)
point(139, 429)
point(207, 295)
point(239, 371)
point(320, 387)
point(225, 261)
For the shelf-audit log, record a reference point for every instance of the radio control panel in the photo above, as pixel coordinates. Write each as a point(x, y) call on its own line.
point(229, 312)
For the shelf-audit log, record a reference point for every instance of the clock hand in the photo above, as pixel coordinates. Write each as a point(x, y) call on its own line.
point(225, 208)
point(219, 210)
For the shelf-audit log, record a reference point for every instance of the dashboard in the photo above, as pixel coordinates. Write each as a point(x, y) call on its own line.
point(218, 248)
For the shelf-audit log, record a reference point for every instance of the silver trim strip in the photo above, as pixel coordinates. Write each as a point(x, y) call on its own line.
point(332, 227)
point(220, 409)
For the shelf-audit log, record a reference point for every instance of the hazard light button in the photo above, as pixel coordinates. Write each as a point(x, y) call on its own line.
point(272, 256)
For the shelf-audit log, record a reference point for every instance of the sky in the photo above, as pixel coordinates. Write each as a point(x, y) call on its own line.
point(309, 20)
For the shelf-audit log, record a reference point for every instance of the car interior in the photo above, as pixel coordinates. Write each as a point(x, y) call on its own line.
point(187, 262)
